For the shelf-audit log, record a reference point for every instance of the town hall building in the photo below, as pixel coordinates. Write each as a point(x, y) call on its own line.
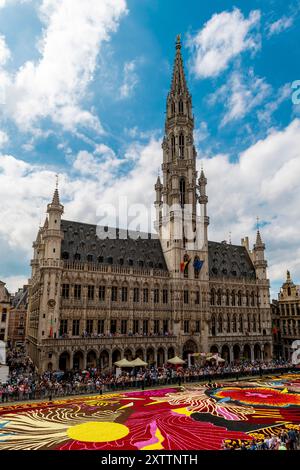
point(94, 300)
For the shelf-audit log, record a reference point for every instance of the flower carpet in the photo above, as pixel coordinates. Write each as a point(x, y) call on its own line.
point(190, 417)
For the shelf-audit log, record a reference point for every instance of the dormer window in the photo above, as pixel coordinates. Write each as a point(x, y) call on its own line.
point(90, 258)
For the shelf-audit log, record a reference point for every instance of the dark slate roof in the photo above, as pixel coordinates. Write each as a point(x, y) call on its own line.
point(226, 260)
point(82, 243)
point(20, 297)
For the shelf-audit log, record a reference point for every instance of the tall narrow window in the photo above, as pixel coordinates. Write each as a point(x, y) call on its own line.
point(180, 107)
point(213, 326)
point(181, 146)
point(172, 108)
point(182, 191)
point(91, 292)
point(228, 323)
point(173, 146)
point(135, 326)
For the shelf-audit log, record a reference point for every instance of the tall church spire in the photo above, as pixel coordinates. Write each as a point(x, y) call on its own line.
point(178, 85)
point(179, 193)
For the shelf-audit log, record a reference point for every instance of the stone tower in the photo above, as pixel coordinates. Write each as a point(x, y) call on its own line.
point(180, 203)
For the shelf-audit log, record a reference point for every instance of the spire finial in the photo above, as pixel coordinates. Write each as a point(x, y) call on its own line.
point(230, 238)
point(178, 41)
point(257, 223)
point(56, 181)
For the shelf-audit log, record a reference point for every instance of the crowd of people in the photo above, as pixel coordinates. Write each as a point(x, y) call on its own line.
point(287, 440)
point(24, 383)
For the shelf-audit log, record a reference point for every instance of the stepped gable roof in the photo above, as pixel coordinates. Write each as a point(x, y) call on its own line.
point(116, 247)
point(226, 260)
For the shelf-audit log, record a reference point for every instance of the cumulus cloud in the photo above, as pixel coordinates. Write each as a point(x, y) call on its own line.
point(13, 283)
point(4, 139)
point(223, 37)
point(262, 182)
point(93, 179)
point(130, 79)
point(280, 25)
point(55, 85)
point(240, 95)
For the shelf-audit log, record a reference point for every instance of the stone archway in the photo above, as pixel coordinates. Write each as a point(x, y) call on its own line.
point(225, 353)
point(189, 347)
point(91, 359)
point(236, 352)
point(171, 353)
point(116, 356)
point(267, 351)
point(104, 359)
point(78, 360)
point(150, 356)
point(214, 349)
point(160, 357)
point(139, 353)
point(247, 352)
point(257, 352)
point(64, 361)
point(128, 354)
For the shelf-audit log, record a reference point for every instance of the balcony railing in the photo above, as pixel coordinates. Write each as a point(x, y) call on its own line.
point(107, 340)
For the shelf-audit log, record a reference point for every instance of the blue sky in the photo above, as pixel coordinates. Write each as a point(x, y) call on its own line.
point(83, 87)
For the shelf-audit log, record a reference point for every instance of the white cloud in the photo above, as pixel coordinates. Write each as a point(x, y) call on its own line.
point(280, 25)
point(201, 132)
point(130, 79)
point(263, 182)
point(265, 114)
point(4, 139)
point(223, 38)
point(55, 85)
point(13, 283)
point(240, 95)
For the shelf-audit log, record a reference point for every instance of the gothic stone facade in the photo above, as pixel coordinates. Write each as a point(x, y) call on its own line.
point(93, 301)
point(286, 318)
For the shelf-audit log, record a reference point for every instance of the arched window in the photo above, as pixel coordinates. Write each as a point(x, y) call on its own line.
point(180, 107)
point(212, 297)
point(239, 298)
point(181, 146)
point(172, 108)
point(173, 146)
point(249, 323)
point(89, 258)
point(227, 297)
point(233, 298)
point(240, 324)
point(219, 297)
point(254, 323)
point(247, 299)
point(65, 255)
point(213, 325)
point(228, 323)
point(259, 323)
point(220, 324)
point(77, 257)
point(252, 299)
point(182, 191)
point(234, 324)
